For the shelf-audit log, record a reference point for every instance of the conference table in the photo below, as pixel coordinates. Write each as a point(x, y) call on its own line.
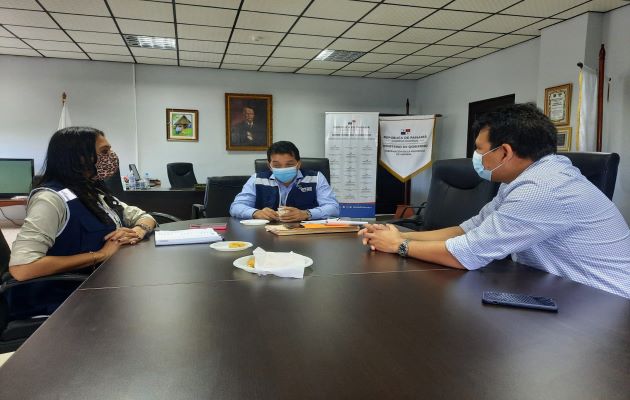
point(180, 322)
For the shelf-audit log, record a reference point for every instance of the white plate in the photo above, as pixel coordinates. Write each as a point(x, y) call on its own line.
point(242, 263)
point(225, 246)
point(254, 222)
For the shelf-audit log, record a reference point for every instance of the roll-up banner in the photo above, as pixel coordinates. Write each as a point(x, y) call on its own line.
point(351, 148)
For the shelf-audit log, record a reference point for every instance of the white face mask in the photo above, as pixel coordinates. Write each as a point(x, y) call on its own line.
point(477, 161)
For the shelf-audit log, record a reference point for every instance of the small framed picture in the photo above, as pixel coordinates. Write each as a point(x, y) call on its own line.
point(182, 125)
point(558, 104)
point(248, 124)
point(564, 138)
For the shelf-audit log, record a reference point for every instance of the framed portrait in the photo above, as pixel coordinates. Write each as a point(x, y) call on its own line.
point(564, 138)
point(558, 104)
point(182, 125)
point(248, 125)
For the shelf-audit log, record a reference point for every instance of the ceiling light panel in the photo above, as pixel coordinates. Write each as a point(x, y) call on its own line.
point(338, 9)
point(374, 32)
point(150, 42)
point(26, 18)
point(447, 19)
point(145, 10)
point(322, 27)
point(205, 16)
point(264, 22)
point(87, 7)
point(294, 7)
point(344, 56)
point(397, 15)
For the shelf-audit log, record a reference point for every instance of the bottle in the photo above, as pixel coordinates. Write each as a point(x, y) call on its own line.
point(132, 182)
point(147, 180)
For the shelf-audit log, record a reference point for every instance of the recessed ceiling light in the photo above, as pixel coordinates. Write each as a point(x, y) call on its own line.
point(338, 55)
point(150, 42)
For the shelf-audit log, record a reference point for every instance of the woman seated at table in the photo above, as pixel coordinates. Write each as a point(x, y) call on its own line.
point(73, 223)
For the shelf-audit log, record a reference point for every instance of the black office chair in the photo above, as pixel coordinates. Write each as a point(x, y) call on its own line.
point(599, 168)
point(315, 164)
point(181, 175)
point(456, 194)
point(220, 193)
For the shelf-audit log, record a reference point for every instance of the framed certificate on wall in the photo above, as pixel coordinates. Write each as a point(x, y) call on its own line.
point(564, 138)
point(558, 104)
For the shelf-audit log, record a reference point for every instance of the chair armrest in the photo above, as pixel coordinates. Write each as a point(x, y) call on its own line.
point(198, 211)
point(168, 217)
point(11, 283)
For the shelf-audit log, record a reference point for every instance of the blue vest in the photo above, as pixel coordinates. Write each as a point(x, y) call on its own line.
point(303, 195)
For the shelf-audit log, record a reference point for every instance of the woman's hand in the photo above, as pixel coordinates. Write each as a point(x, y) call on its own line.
point(109, 249)
point(126, 235)
point(385, 238)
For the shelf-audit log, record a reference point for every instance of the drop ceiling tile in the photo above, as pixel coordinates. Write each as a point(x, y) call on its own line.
point(440, 50)
point(490, 6)
point(203, 32)
point(422, 35)
point(333, 65)
point(363, 67)
point(507, 41)
point(384, 75)
point(285, 62)
point(26, 18)
point(542, 8)
point(397, 15)
point(265, 22)
point(205, 16)
point(210, 3)
point(477, 52)
point(202, 45)
point(448, 19)
point(451, 62)
point(431, 70)
point(12, 42)
point(398, 48)
point(423, 3)
point(105, 49)
point(146, 28)
point(153, 53)
point(50, 45)
point(314, 42)
point(323, 27)
point(198, 64)
point(250, 49)
point(19, 52)
point(375, 32)
point(399, 68)
point(5, 33)
point(349, 73)
point(293, 52)
point(338, 9)
point(534, 29)
point(83, 23)
point(96, 37)
point(195, 56)
point(256, 37)
point(23, 4)
point(277, 69)
point(250, 60)
point(469, 38)
point(595, 5)
point(111, 57)
point(244, 67)
point(502, 23)
point(419, 60)
point(87, 7)
point(293, 7)
point(157, 61)
point(412, 76)
point(380, 58)
point(314, 71)
point(354, 44)
point(63, 54)
point(40, 33)
point(145, 10)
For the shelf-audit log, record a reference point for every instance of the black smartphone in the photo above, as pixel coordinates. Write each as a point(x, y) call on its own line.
point(519, 300)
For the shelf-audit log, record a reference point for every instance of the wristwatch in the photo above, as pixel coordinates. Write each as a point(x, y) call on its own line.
point(309, 214)
point(403, 249)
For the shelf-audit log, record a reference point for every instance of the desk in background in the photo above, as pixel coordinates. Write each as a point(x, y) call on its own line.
point(177, 202)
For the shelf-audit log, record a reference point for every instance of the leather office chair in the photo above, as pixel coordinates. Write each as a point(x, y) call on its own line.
point(220, 193)
point(599, 168)
point(181, 175)
point(315, 164)
point(456, 194)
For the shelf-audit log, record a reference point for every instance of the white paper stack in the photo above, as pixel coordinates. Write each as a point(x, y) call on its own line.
point(186, 236)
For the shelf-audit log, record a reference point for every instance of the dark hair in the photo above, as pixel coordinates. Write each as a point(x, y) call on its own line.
point(283, 147)
point(523, 126)
point(71, 153)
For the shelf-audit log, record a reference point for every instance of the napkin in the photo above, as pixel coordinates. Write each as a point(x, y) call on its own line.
point(285, 265)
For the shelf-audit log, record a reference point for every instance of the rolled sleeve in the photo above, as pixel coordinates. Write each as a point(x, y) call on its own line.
point(243, 205)
point(326, 200)
point(133, 214)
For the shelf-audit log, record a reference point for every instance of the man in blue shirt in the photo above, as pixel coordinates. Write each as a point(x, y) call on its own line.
point(546, 213)
point(286, 193)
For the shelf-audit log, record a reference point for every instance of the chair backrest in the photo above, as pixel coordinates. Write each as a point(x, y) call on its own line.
point(220, 193)
point(599, 168)
point(181, 175)
point(5, 254)
point(456, 193)
point(315, 164)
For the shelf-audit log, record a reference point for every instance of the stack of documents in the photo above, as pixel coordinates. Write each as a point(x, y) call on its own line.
point(186, 236)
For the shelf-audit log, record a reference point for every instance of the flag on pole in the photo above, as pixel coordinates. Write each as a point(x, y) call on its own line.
point(587, 110)
point(64, 119)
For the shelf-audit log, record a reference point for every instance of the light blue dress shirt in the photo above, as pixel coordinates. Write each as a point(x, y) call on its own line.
point(244, 202)
point(551, 218)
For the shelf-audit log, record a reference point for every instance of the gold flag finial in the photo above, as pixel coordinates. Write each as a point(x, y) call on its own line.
point(63, 97)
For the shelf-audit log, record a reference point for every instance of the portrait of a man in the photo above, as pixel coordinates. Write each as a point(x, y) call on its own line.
point(248, 120)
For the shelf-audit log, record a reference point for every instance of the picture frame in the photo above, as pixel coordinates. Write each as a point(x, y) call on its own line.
point(182, 125)
point(248, 121)
point(558, 104)
point(564, 138)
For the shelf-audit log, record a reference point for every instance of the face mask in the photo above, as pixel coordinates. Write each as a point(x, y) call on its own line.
point(478, 165)
point(106, 165)
point(285, 175)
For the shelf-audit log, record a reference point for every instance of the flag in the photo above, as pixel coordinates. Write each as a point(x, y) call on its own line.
point(587, 110)
point(64, 119)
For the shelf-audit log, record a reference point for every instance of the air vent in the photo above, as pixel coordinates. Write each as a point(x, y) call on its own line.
point(339, 55)
point(150, 42)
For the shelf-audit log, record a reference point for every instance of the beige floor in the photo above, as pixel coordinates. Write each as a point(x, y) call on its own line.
point(10, 232)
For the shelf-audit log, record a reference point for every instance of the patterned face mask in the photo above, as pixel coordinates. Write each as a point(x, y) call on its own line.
point(106, 165)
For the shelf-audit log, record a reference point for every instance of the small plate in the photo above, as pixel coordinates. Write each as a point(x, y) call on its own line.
point(242, 263)
point(230, 246)
point(254, 222)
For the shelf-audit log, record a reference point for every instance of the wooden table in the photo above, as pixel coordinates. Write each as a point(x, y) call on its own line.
point(13, 202)
point(180, 322)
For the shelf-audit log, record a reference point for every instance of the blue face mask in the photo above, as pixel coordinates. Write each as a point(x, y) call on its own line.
point(478, 165)
point(285, 175)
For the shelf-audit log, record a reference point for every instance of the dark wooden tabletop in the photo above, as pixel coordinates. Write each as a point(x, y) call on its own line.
point(359, 326)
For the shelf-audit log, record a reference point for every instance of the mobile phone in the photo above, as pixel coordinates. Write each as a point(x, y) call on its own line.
point(519, 300)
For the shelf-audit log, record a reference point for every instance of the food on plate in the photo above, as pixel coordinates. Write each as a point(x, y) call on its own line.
point(236, 245)
point(251, 261)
